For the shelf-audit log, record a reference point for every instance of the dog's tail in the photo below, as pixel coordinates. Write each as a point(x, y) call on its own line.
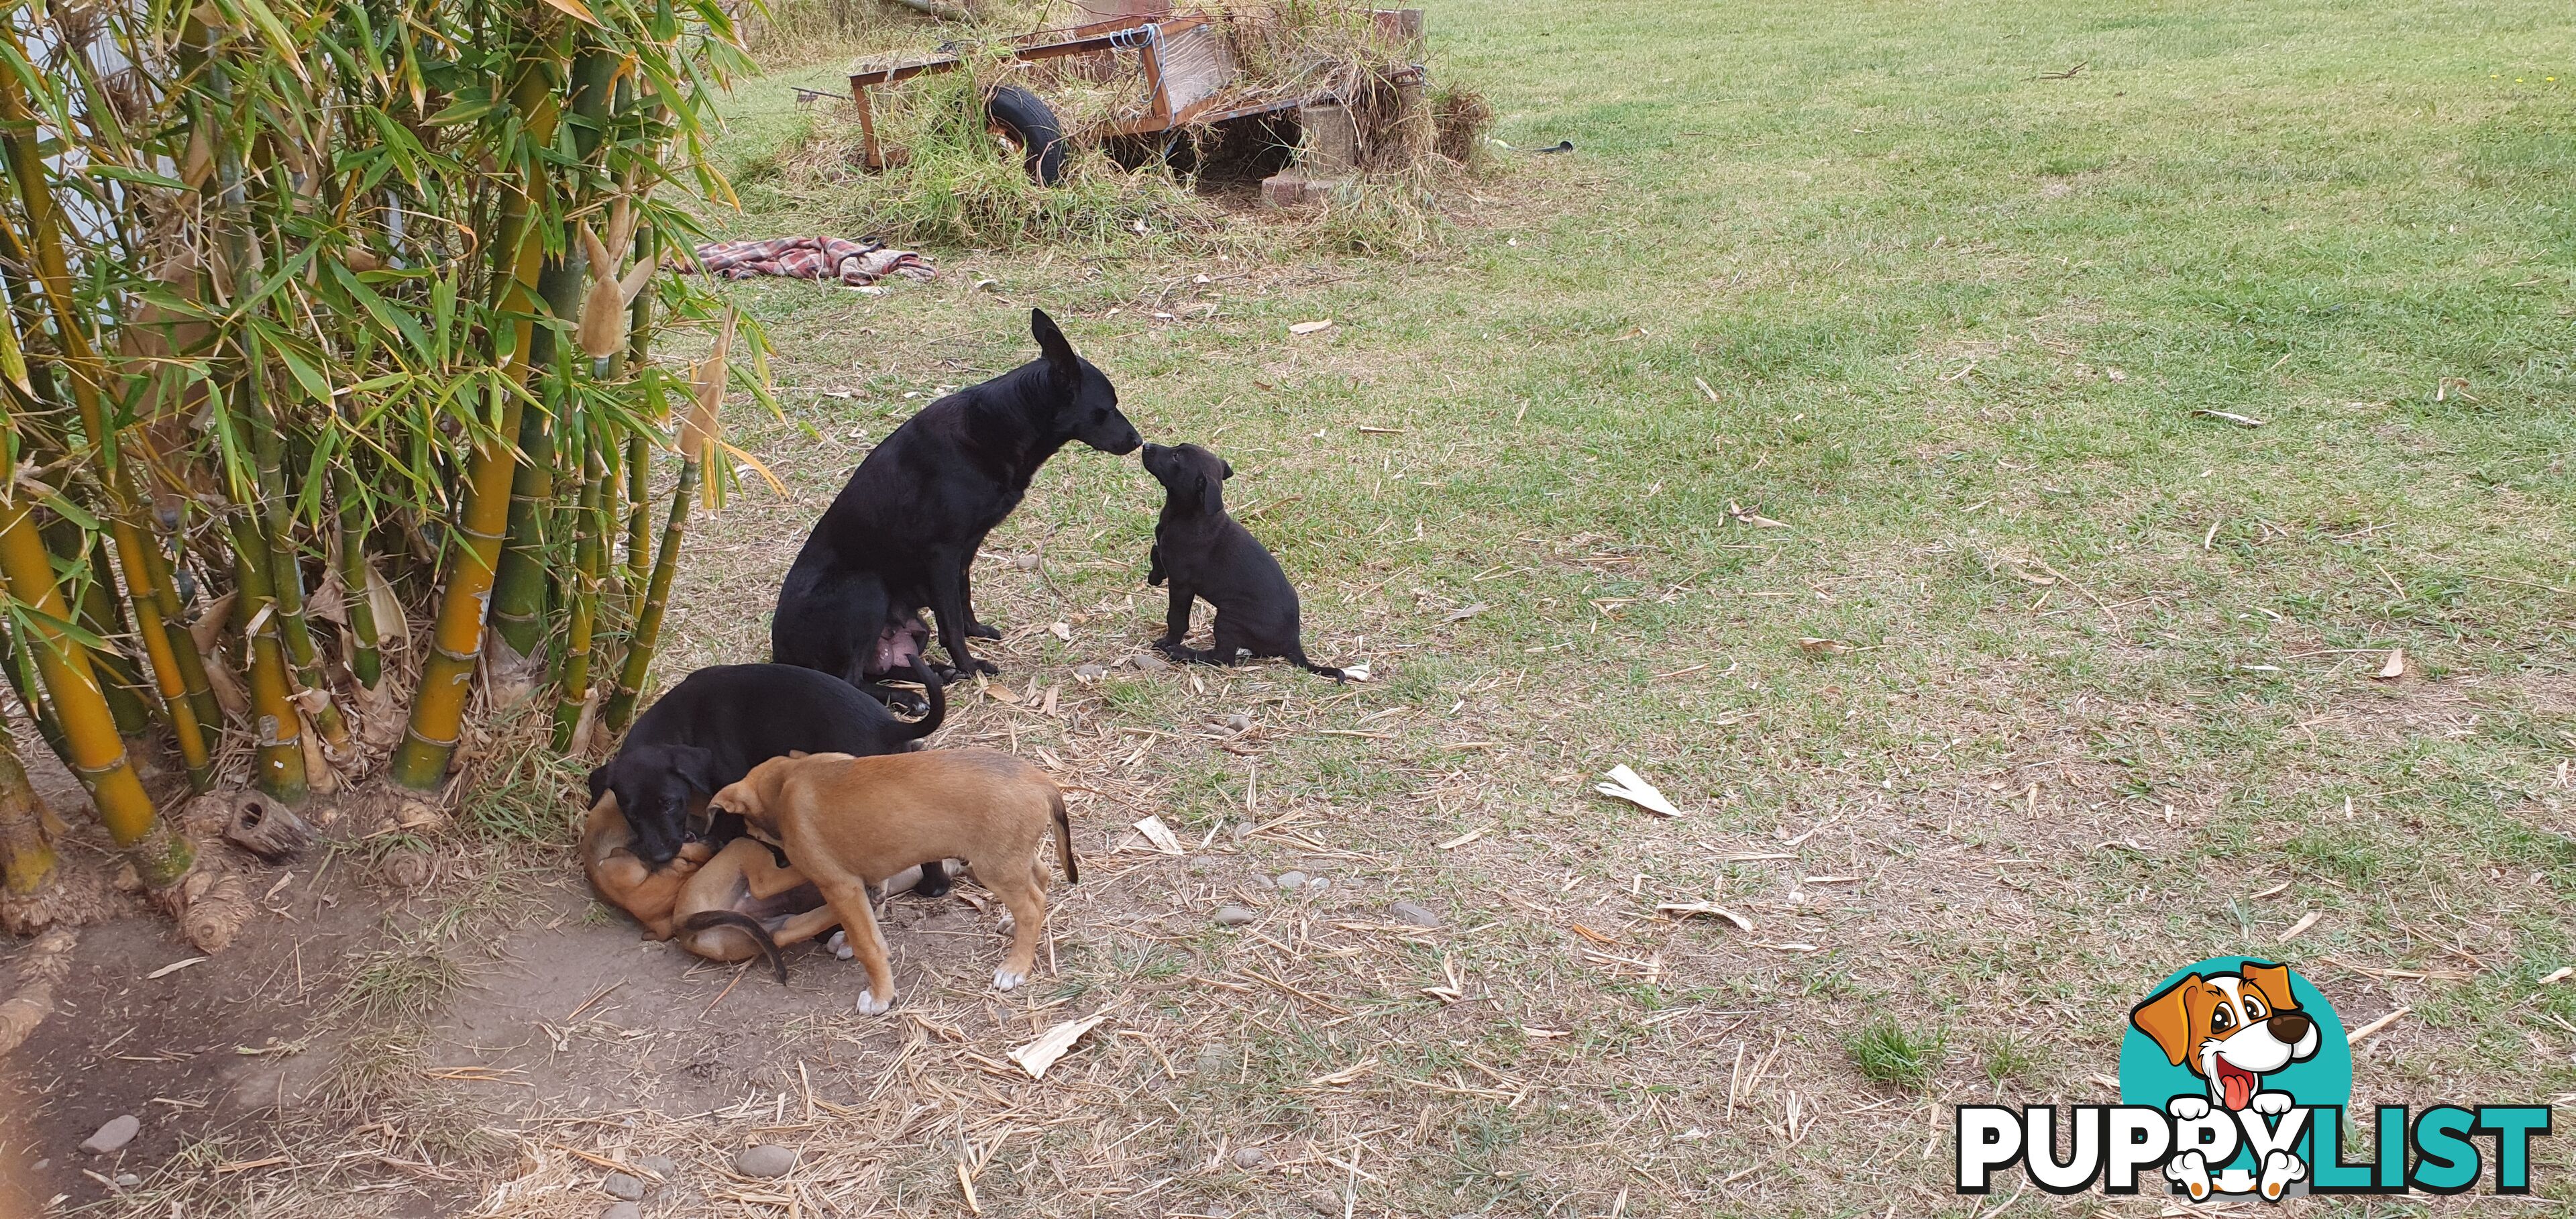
point(1064, 838)
point(748, 925)
point(932, 690)
point(1297, 652)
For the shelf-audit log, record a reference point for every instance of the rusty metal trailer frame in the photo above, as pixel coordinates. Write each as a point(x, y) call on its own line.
point(1149, 37)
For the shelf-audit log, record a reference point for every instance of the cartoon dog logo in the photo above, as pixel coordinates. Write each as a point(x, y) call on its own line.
point(2231, 1029)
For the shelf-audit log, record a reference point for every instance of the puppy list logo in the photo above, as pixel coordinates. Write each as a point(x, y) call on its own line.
point(2234, 1081)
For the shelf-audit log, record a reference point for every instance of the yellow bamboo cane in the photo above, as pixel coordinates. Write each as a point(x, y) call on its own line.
point(98, 753)
point(26, 852)
point(456, 643)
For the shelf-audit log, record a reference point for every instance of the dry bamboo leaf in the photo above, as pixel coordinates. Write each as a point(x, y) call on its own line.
point(2395, 666)
point(636, 277)
point(174, 967)
point(603, 264)
point(2274, 891)
point(1626, 785)
point(2299, 928)
point(602, 332)
point(1038, 1055)
point(1346, 1075)
point(1303, 328)
point(1160, 835)
point(2556, 976)
point(621, 226)
point(1708, 908)
point(575, 9)
point(2231, 417)
point(1813, 646)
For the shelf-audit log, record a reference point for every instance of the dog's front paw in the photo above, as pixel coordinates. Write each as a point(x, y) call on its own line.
point(2188, 1108)
point(840, 946)
point(2274, 1103)
point(980, 631)
point(870, 1005)
point(2191, 1171)
point(1007, 978)
point(2279, 1169)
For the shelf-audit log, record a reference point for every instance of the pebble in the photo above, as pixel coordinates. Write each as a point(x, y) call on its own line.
point(1151, 663)
point(1412, 915)
point(1204, 863)
point(127, 1180)
point(1242, 830)
point(658, 1165)
point(621, 1210)
point(1090, 672)
point(1233, 916)
point(1248, 1158)
point(121, 1130)
point(1292, 881)
point(1239, 722)
point(1318, 885)
point(620, 1186)
point(1025, 562)
point(765, 1160)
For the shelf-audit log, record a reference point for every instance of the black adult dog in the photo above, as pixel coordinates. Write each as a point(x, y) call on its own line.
point(1206, 553)
point(719, 722)
point(903, 533)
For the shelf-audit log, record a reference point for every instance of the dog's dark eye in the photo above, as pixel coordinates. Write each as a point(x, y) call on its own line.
point(2254, 1009)
point(2222, 1019)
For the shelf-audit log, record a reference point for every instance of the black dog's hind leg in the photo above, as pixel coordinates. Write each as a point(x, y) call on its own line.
point(948, 604)
point(1296, 653)
point(934, 880)
point(975, 627)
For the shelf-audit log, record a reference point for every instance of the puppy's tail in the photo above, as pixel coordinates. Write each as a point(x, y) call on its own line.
point(1064, 838)
point(932, 690)
point(1297, 652)
point(748, 925)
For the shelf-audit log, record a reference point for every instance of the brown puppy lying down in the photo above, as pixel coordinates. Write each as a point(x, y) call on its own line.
point(850, 821)
point(727, 905)
point(623, 879)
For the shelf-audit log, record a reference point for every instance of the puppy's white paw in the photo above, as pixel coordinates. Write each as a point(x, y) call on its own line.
point(2188, 1108)
point(2279, 1169)
point(2191, 1171)
point(840, 946)
point(2271, 1102)
point(1006, 977)
point(870, 1005)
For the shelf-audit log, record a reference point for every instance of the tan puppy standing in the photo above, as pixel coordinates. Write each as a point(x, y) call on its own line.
point(848, 822)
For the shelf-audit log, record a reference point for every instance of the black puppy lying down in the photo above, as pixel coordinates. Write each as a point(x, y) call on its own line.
point(719, 722)
point(1206, 553)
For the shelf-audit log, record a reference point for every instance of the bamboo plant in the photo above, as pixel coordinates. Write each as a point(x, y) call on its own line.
point(299, 360)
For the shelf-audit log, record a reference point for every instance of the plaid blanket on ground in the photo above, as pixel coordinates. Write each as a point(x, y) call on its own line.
point(857, 263)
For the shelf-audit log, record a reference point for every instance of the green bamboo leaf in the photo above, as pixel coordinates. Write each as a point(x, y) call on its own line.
point(136, 176)
point(13, 362)
point(306, 375)
point(385, 314)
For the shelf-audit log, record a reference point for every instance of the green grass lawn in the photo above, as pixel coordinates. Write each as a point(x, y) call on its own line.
point(2061, 668)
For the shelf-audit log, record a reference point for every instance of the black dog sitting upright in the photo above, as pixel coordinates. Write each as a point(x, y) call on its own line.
point(719, 722)
point(1206, 553)
point(903, 533)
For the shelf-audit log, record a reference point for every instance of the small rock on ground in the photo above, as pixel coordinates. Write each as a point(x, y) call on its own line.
point(1089, 672)
point(1292, 881)
point(127, 1180)
point(1249, 1158)
point(621, 1210)
point(1412, 915)
point(1150, 663)
point(765, 1160)
point(620, 1186)
point(1233, 916)
point(121, 1130)
point(659, 1165)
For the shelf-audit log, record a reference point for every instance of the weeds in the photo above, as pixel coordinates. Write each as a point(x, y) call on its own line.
point(1886, 1053)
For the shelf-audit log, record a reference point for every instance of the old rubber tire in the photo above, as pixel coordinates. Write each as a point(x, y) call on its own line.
point(1033, 126)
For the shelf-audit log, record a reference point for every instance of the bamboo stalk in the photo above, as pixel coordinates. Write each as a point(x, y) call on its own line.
point(638, 665)
point(286, 584)
point(276, 729)
point(89, 730)
point(590, 525)
point(88, 379)
point(456, 643)
point(23, 681)
point(26, 851)
point(357, 589)
point(95, 604)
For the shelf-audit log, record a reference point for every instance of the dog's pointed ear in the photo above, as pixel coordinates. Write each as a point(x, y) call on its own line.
point(696, 766)
point(1053, 345)
point(1229, 468)
point(598, 783)
point(797, 753)
point(2167, 1018)
point(2274, 983)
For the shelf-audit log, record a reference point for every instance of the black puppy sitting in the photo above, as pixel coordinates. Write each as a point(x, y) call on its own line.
point(1205, 553)
point(903, 533)
point(719, 722)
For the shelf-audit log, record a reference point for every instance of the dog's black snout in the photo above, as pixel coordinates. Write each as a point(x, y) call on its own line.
point(2288, 1027)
